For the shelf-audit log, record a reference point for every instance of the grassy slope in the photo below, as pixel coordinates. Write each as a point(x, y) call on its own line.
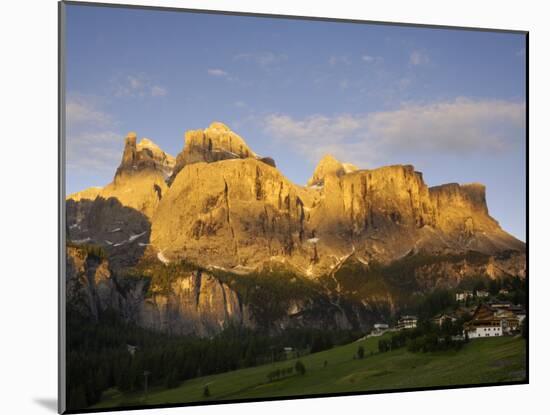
point(480, 361)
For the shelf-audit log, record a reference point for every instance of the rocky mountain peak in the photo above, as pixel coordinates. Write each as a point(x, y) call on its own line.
point(143, 156)
point(215, 143)
point(327, 165)
point(216, 125)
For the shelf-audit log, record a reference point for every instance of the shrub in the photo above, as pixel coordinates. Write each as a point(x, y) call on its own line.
point(300, 368)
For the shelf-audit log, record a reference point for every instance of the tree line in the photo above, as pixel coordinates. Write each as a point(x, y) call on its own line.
point(99, 357)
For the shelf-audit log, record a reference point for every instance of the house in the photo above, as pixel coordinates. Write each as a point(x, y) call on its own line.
point(504, 291)
point(441, 318)
point(381, 326)
point(482, 293)
point(464, 295)
point(519, 311)
point(407, 322)
point(500, 304)
point(131, 349)
point(484, 323)
point(510, 321)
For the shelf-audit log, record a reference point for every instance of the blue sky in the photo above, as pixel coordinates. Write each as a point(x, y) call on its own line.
point(450, 102)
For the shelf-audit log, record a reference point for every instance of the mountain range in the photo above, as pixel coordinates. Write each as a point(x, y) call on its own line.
point(218, 235)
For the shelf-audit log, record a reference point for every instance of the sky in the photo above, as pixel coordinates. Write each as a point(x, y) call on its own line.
point(449, 102)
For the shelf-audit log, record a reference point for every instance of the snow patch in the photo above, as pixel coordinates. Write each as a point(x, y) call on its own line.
point(162, 258)
point(115, 230)
point(108, 242)
point(81, 241)
point(134, 237)
point(313, 240)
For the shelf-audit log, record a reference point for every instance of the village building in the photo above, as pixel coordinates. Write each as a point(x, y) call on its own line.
point(510, 321)
point(440, 319)
point(407, 322)
point(381, 326)
point(500, 304)
point(484, 323)
point(464, 295)
point(482, 293)
point(519, 311)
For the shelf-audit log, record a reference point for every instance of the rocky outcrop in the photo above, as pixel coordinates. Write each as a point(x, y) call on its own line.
point(196, 304)
point(245, 213)
point(140, 179)
point(215, 143)
point(145, 155)
point(123, 232)
point(90, 287)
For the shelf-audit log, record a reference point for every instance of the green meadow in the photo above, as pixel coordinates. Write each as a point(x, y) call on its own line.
point(499, 359)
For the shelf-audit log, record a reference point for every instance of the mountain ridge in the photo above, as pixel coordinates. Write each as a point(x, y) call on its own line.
point(224, 209)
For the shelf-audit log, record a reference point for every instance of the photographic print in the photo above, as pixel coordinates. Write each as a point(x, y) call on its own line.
point(263, 207)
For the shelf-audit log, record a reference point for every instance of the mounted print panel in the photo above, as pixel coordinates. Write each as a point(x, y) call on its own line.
point(261, 207)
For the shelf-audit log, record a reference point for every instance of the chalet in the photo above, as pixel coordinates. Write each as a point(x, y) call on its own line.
point(504, 291)
point(464, 295)
point(407, 322)
point(381, 326)
point(510, 321)
point(442, 318)
point(484, 323)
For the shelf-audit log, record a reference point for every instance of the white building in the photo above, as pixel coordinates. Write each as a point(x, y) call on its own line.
point(407, 322)
point(464, 295)
point(484, 328)
point(381, 326)
point(482, 293)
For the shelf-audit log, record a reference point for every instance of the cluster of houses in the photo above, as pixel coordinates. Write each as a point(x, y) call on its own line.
point(490, 319)
point(462, 296)
point(495, 319)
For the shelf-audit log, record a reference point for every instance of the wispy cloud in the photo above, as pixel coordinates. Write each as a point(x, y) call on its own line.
point(81, 110)
point(158, 91)
point(418, 57)
point(93, 144)
point(137, 85)
point(459, 127)
point(217, 73)
point(372, 59)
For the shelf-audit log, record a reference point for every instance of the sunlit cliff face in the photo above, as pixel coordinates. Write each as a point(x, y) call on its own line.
point(218, 203)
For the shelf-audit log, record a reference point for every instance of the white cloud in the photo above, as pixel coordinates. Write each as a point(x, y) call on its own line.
point(136, 85)
point(460, 127)
point(372, 59)
point(158, 91)
point(217, 72)
point(418, 57)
